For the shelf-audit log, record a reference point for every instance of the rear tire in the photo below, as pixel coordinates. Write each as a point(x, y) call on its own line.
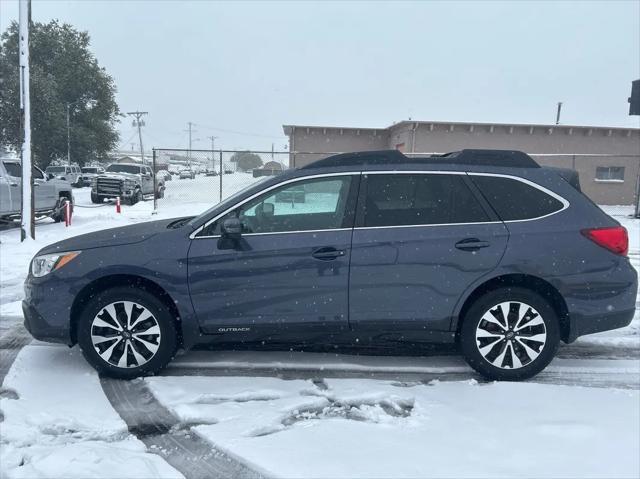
point(126, 346)
point(510, 334)
point(58, 214)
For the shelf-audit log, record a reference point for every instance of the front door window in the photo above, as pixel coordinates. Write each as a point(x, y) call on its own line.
point(306, 205)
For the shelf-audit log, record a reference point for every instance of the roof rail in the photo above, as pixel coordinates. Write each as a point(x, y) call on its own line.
point(509, 158)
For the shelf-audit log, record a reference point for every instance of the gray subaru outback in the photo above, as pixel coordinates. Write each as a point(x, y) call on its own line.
point(480, 248)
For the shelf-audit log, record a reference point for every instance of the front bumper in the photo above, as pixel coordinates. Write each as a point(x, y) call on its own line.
point(47, 309)
point(42, 330)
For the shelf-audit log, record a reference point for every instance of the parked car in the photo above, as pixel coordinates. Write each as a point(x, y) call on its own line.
point(70, 173)
point(49, 194)
point(129, 181)
point(187, 173)
point(164, 175)
point(89, 173)
point(211, 173)
point(483, 248)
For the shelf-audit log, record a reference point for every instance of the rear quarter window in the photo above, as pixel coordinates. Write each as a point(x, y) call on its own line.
point(515, 200)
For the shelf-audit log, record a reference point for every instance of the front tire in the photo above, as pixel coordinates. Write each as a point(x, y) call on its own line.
point(136, 198)
point(125, 333)
point(510, 334)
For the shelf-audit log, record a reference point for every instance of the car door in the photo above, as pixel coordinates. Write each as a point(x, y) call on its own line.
point(44, 192)
point(421, 239)
point(147, 180)
point(11, 192)
point(287, 276)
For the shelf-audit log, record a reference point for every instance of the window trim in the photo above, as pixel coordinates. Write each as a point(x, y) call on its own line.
point(266, 190)
point(565, 203)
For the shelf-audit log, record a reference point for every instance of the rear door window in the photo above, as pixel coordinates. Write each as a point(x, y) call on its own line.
point(420, 199)
point(515, 200)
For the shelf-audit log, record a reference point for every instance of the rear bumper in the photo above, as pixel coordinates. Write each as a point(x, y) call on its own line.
point(602, 302)
point(580, 326)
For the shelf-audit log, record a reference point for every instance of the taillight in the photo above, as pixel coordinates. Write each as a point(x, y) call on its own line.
point(614, 239)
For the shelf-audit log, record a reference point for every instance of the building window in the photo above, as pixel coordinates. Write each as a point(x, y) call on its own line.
point(610, 173)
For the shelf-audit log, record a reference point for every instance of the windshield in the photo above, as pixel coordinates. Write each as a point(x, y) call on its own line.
point(227, 201)
point(13, 168)
point(116, 168)
point(55, 169)
point(89, 170)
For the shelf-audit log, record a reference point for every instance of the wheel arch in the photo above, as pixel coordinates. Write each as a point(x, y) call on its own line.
point(113, 280)
point(533, 283)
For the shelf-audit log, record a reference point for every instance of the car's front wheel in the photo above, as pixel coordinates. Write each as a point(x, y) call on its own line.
point(125, 333)
point(510, 334)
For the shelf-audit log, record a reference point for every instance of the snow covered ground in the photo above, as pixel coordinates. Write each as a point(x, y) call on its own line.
point(293, 414)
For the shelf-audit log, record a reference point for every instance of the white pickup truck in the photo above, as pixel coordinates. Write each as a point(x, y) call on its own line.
point(49, 194)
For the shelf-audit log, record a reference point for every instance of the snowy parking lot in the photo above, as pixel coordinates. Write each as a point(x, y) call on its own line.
point(306, 414)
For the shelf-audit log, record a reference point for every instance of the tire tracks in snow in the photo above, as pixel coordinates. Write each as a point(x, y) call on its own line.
point(164, 434)
point(11, 342)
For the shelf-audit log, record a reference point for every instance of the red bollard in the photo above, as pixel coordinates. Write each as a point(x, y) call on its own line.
point(67, 213)
point(118, 209)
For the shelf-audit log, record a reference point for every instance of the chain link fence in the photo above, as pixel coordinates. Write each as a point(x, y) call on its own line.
point(205, 177)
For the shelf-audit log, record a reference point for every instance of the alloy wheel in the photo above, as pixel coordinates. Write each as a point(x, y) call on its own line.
point(511, 335)
point(125, 334)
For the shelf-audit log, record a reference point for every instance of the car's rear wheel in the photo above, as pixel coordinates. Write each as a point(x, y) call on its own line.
point(126, 333)
point(58, 209)
point(510, 334)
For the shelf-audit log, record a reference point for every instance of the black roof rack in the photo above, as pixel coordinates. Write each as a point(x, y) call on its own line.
point(510, 158)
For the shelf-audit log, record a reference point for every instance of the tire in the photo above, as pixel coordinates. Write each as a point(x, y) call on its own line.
point(96, 199)
point(137, 197)
point(108, 356)
point(507, 353)
point(58, 210)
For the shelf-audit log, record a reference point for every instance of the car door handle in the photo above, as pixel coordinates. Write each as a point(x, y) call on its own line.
point(472, 244)
point(327, 254)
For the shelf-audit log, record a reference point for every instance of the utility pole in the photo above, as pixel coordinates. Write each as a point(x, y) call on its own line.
point(191, 131)
point(213, 147)
point(139, 123)
point(27, 223)
point(68, 137)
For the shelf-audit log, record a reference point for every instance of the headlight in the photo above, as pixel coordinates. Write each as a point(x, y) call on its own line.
point(46, 263)
point(94, 182)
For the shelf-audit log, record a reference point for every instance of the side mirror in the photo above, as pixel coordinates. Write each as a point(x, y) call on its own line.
point(232, 228)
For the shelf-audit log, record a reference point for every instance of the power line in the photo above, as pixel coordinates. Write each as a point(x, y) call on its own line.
point(235, 132)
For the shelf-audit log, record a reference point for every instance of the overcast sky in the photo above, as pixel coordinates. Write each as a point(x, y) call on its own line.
point(239, 70)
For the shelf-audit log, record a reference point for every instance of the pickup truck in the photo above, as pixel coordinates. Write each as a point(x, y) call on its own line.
point(88, 173)
point(129, 181)
point(49, 194)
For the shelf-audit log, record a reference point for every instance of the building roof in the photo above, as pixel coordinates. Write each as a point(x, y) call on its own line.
point(289, 128)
